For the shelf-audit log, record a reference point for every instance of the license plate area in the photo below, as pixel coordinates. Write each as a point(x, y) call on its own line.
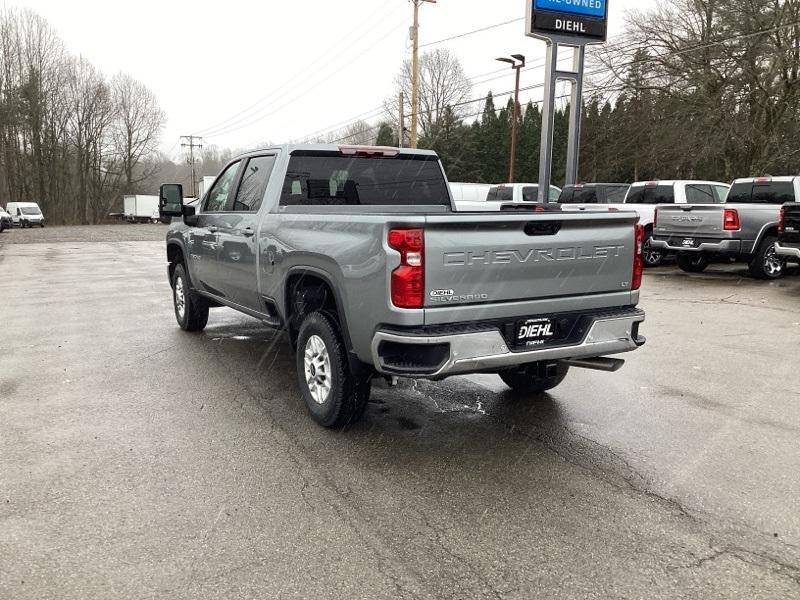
point(543, 332)
point(688, 243)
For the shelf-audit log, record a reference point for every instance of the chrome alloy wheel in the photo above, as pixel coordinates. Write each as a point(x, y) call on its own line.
point(773, 264)
point(651, 256)
point(317, 363)
point(180, 298)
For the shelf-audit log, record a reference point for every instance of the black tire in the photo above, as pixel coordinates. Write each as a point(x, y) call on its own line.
point(530, 380)
point(652, 258)
point(41, 225)
point(692, 262)
point(336, 397)
point(766, 264)
point(194, 313)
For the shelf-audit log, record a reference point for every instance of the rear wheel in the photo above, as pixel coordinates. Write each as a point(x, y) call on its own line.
point(652, 257)
point(191, 311)
point(535, 378)
point(334, 395)
point(692, 262)
point(766, 263)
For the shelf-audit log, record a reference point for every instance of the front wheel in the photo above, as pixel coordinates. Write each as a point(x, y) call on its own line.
point(534, 379)
point(692, 262)
point(652, 257)
point(334, 395)
point(766, 263)
point(191, 311)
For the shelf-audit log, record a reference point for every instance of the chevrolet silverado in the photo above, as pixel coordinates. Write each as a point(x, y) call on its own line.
point(358, 254)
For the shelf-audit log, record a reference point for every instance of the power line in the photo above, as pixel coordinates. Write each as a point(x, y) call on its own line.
point(326, 58)
point(473, 32)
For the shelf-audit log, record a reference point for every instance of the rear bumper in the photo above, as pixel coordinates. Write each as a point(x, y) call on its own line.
point(713, 246)
point(441, 355)
point(790, 252)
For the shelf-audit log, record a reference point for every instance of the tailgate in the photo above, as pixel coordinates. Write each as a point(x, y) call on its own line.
point(477, 259)
point(700, 220)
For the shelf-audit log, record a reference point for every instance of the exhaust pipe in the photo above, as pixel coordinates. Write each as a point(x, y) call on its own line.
point(610, 365)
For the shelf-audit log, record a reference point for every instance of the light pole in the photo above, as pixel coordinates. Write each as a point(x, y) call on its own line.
point(517, 62)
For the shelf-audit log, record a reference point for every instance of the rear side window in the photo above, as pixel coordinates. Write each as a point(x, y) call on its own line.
point(331, 179)
point(657, 194)
point(501, 194)
point(254, 184)
point(700, 194)
point(774, 192)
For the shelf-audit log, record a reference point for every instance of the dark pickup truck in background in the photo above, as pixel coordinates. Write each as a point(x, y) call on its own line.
point(357, 253)
point(788, 245)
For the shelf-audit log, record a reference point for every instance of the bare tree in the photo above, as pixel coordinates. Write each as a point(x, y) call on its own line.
point(442, 85)
point(137, 126)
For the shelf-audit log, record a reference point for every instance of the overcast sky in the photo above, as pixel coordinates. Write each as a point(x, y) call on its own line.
point(294, 67)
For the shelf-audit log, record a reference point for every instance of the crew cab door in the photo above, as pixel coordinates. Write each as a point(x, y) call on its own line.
point(204, 236)
point(237, 258)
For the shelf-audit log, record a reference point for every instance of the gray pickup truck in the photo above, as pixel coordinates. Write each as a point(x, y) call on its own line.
point(744, 228)
point(357, 253)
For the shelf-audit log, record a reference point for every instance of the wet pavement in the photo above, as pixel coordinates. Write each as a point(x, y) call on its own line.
point(138, 461)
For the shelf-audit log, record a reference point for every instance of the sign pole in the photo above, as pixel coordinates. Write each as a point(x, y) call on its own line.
point(571, 24)
point(548, 122)
point(575, 110)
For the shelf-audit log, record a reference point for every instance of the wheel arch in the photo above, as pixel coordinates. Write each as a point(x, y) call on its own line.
point(314, 278)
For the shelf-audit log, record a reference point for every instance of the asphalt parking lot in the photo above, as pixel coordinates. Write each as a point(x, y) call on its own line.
point(138, 461)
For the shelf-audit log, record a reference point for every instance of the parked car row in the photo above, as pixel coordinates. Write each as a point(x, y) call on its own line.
point(21, 214)
point(697, 222)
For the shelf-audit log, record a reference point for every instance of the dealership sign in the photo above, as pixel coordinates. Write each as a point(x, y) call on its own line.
point(584, 21)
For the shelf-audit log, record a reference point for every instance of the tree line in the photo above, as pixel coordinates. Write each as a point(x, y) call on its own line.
point(71, 139)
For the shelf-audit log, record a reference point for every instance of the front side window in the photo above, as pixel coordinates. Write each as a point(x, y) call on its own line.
point(331, 179)
point(722, 192)
point(530, 193)
point(217, 198)
point(616, 194)
point(31, 211)
point(700, 194)
point(254, 184)
point(501, 194)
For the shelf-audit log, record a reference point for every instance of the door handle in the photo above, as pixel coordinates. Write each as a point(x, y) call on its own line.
point(248, 232)
point(213, 229)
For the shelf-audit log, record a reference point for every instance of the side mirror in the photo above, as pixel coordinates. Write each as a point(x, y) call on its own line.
point(170, 200)
point(190, 217)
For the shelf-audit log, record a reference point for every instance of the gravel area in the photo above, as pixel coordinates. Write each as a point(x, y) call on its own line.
point(85, 233)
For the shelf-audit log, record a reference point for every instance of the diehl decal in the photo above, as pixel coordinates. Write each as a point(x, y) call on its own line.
point(442, 293)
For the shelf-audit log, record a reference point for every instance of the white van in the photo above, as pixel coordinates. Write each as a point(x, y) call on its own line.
point(25, 214)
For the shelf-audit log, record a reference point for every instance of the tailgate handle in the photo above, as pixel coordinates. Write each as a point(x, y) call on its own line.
point(542, 228)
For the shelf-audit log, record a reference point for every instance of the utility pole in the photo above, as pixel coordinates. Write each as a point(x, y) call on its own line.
point(415, 71)
point(402, 133)
point(188, 141)
point(517, 62)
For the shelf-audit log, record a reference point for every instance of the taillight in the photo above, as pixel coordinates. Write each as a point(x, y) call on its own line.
point(638, 258)
point(408, 280)
point(730, 220)
point(782, 221)
point(655, 218)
